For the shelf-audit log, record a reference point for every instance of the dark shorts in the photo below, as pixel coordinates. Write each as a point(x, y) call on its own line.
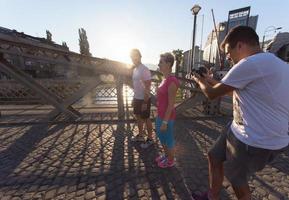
point(240, 160)
point(137, 103)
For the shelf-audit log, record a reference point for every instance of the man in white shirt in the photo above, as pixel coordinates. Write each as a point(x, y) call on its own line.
point(141, 101)
point(259, 82)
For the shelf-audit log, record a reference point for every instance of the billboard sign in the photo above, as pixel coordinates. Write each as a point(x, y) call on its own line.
point(238, 17)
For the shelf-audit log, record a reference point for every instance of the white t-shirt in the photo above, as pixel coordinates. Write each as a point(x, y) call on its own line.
point(261, 101)
point(140, 74)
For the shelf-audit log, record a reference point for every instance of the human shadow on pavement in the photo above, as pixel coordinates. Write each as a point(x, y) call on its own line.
point(134, 173)
point(21, 147)
point(271, 178)
point(281, 162)
point(194, 138)
point(205, 134)
point(116, 177)
point(162, 182)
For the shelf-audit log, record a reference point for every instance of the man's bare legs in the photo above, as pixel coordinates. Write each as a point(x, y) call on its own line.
point(242, 192)
point(149, 127)
point(216, 177)
point(140, 125)
point(141, 128)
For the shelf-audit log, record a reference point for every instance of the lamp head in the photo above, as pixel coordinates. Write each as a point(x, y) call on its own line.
point(195, 9)
point(222, 27)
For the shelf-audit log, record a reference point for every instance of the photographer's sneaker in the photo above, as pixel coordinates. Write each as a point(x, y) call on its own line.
point(147, 143)
point(138, 138)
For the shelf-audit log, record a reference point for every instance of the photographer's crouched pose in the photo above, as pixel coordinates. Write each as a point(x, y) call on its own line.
point(259, 130)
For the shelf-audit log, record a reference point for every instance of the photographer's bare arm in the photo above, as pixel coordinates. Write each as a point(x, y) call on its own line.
point(213, 89)
point(210, 79)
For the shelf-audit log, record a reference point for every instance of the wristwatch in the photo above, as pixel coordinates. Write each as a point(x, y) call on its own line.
point(165, 122)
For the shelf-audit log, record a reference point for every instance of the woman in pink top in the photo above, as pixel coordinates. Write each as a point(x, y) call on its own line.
point(166, 96)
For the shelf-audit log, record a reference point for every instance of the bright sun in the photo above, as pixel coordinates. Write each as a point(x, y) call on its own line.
point(120, 45)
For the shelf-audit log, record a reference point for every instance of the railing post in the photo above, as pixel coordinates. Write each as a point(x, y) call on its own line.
point(120, 102)
point(211, 107)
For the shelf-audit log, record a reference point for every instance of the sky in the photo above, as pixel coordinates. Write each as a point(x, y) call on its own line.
point(114, 27)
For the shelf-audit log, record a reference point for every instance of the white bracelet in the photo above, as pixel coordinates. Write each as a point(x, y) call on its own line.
point(165, 122)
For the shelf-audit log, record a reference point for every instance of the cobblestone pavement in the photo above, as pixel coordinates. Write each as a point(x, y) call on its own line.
point(99, 161)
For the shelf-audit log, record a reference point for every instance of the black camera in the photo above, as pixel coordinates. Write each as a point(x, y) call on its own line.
point(201, 71)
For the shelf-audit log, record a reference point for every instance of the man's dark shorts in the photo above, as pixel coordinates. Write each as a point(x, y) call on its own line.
point(137, 104)
point(240, 160)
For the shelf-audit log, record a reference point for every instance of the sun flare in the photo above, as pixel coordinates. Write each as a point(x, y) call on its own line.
point(120, 45)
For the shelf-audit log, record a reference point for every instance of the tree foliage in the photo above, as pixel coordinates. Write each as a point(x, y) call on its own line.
point(179, 56)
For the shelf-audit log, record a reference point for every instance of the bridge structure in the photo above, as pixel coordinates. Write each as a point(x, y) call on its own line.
point(91, 75)
point(69, 137)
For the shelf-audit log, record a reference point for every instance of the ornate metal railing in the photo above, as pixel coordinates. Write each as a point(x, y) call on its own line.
point(90, 81)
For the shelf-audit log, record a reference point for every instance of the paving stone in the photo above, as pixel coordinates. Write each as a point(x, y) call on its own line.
point(71, 189)
point(106, 169)
point(91, 187)
point(100, 190)
point(62, 190)
point(6, 198)
point(50, 194)
point(160, 191)
point(27, 196)
point(90, 195)
point(80, 192)
point(15, 198)
point(267, 178)
point(163, 197)
point(60, 197)
point(140, 193)
point(101, 197)
point(44, 188)
point(70, 195)
point(79, 198)
point(273, 197)
point(38, 195)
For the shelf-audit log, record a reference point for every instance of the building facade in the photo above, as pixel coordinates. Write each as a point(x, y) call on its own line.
point(187, 62)
point(211, 50)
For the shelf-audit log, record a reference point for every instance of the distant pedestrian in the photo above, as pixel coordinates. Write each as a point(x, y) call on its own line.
point(259, 82)
point(166, 96)
point(141, 101)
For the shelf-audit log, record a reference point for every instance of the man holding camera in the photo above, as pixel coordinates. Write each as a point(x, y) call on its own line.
point(259, 83)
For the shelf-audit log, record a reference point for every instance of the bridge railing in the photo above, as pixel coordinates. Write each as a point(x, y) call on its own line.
point(89, 81)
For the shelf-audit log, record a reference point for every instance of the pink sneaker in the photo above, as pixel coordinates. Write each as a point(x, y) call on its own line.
point(166, 163)
point(160, 158)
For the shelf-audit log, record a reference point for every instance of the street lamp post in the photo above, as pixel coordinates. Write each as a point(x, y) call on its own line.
point(195, 10)
point(269, 28)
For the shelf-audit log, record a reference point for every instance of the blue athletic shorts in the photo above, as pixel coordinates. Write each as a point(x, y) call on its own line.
point(166, 138)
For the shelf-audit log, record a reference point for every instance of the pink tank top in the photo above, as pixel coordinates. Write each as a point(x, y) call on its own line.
point(162, 97)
